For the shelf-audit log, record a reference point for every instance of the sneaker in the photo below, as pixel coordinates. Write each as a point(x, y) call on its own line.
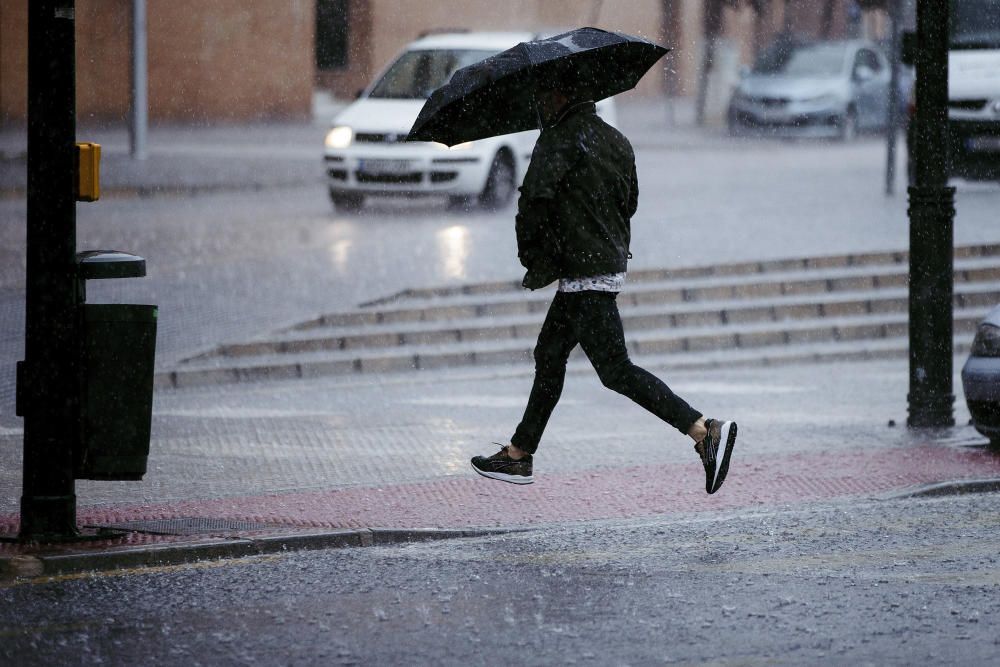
point(715, 450)
point(501, 466)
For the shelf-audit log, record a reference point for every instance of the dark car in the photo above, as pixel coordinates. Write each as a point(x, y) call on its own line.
point(981, 378)
point(801, 88)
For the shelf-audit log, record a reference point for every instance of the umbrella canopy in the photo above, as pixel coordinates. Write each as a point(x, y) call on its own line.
point(497, 95)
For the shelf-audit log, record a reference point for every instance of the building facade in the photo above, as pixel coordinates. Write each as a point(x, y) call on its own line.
point(219, 61)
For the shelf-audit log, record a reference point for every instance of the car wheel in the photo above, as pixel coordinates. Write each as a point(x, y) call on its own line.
point(849, 125)
point(732, 123)
point(500, 186)
point(459, 202)
point(346, 202)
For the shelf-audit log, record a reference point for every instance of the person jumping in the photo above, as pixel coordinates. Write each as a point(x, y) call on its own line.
point(572, 225)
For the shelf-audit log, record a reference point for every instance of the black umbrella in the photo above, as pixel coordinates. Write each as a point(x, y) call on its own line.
point(497, 95)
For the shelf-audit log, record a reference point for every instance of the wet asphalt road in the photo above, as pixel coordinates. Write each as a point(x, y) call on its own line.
point(899, 582)
point(234, 265)
point(891, 583)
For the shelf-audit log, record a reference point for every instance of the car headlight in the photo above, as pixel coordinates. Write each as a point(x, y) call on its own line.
point(339, 137)
point(987, 341)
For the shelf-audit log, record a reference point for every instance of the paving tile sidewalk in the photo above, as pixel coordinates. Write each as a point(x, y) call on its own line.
point(801, 442)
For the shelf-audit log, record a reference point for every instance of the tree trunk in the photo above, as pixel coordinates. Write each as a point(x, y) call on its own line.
point(826, 23)
point(712, 28)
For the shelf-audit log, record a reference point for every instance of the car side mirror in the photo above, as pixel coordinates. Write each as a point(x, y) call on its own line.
point(863, 73)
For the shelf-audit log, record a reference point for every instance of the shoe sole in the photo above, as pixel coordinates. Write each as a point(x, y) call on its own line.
point(727, 435)
point(504, 477)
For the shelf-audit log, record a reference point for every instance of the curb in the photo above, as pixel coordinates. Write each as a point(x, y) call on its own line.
point(150, 191)
point(942, 489)
point(25, 566)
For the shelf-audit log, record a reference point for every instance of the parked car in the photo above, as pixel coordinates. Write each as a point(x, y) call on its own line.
point(366, 152)
point(973, 92)
point(801, 88)
point(981, 377)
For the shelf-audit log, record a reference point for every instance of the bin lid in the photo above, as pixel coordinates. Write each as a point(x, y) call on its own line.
point(97, 264)
point(120, 312)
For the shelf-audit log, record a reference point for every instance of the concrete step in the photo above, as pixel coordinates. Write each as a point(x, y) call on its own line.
point(817, 352)
point(855, 260)
point(848, 333)
point(752, 307)
point(634, 318)
point(813, 280)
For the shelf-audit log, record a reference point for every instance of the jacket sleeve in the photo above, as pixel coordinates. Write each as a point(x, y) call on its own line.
point(531, 226)
point(535, 223)
point(554, 157)
point(633, 192)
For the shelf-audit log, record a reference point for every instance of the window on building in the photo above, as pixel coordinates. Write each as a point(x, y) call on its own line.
point(332, 21)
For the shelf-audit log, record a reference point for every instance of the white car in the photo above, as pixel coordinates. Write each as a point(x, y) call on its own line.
point(973, 91)
point(366, 152)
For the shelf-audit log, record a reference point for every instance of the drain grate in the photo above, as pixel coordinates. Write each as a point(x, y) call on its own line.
point(190, 526)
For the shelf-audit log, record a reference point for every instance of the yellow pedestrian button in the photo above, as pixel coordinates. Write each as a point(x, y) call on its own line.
point(88, 175)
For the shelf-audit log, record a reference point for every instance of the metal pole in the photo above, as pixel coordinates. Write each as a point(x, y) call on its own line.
point(932, 212)
point(711, 27)
point(892, 121)
point(139, 121)
point(47, 381)
point(668, 18)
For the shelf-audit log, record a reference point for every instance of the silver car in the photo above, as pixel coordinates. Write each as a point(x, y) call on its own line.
point(981, 378)
point(832, 89)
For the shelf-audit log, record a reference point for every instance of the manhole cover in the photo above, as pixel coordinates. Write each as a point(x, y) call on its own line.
point(190, 526)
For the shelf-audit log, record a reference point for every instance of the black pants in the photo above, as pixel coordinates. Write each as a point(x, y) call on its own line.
point(591, 319)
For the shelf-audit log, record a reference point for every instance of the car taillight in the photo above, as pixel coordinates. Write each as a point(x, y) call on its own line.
point(987, 341)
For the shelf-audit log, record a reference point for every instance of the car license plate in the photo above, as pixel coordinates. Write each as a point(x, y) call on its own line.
point(384, 166)
point(983, 144)
point(773, 116)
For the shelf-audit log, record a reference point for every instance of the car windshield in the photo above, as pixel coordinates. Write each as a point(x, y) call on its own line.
point(417, 74)
point(975, 24)
point(801, 60)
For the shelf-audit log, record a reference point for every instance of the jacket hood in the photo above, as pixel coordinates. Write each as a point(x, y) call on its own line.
point(573, 108)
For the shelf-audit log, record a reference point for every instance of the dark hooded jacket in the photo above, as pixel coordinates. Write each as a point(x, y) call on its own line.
point(578, 196)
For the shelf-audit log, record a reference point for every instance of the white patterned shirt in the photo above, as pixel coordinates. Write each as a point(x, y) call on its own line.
point(607, 282)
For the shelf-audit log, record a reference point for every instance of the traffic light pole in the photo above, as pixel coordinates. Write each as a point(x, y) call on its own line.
point(48, 378)
point(895, 9)
point(932, 213)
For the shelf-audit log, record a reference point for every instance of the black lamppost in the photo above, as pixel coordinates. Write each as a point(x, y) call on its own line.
point(932, 212)
point(48, 377)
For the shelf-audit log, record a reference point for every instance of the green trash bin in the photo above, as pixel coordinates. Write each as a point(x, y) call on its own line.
point(116, 390)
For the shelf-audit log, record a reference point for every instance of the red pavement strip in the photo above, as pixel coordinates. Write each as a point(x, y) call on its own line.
point(476, 502)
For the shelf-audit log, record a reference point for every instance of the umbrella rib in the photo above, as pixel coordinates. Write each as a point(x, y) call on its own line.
point(533, 83)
